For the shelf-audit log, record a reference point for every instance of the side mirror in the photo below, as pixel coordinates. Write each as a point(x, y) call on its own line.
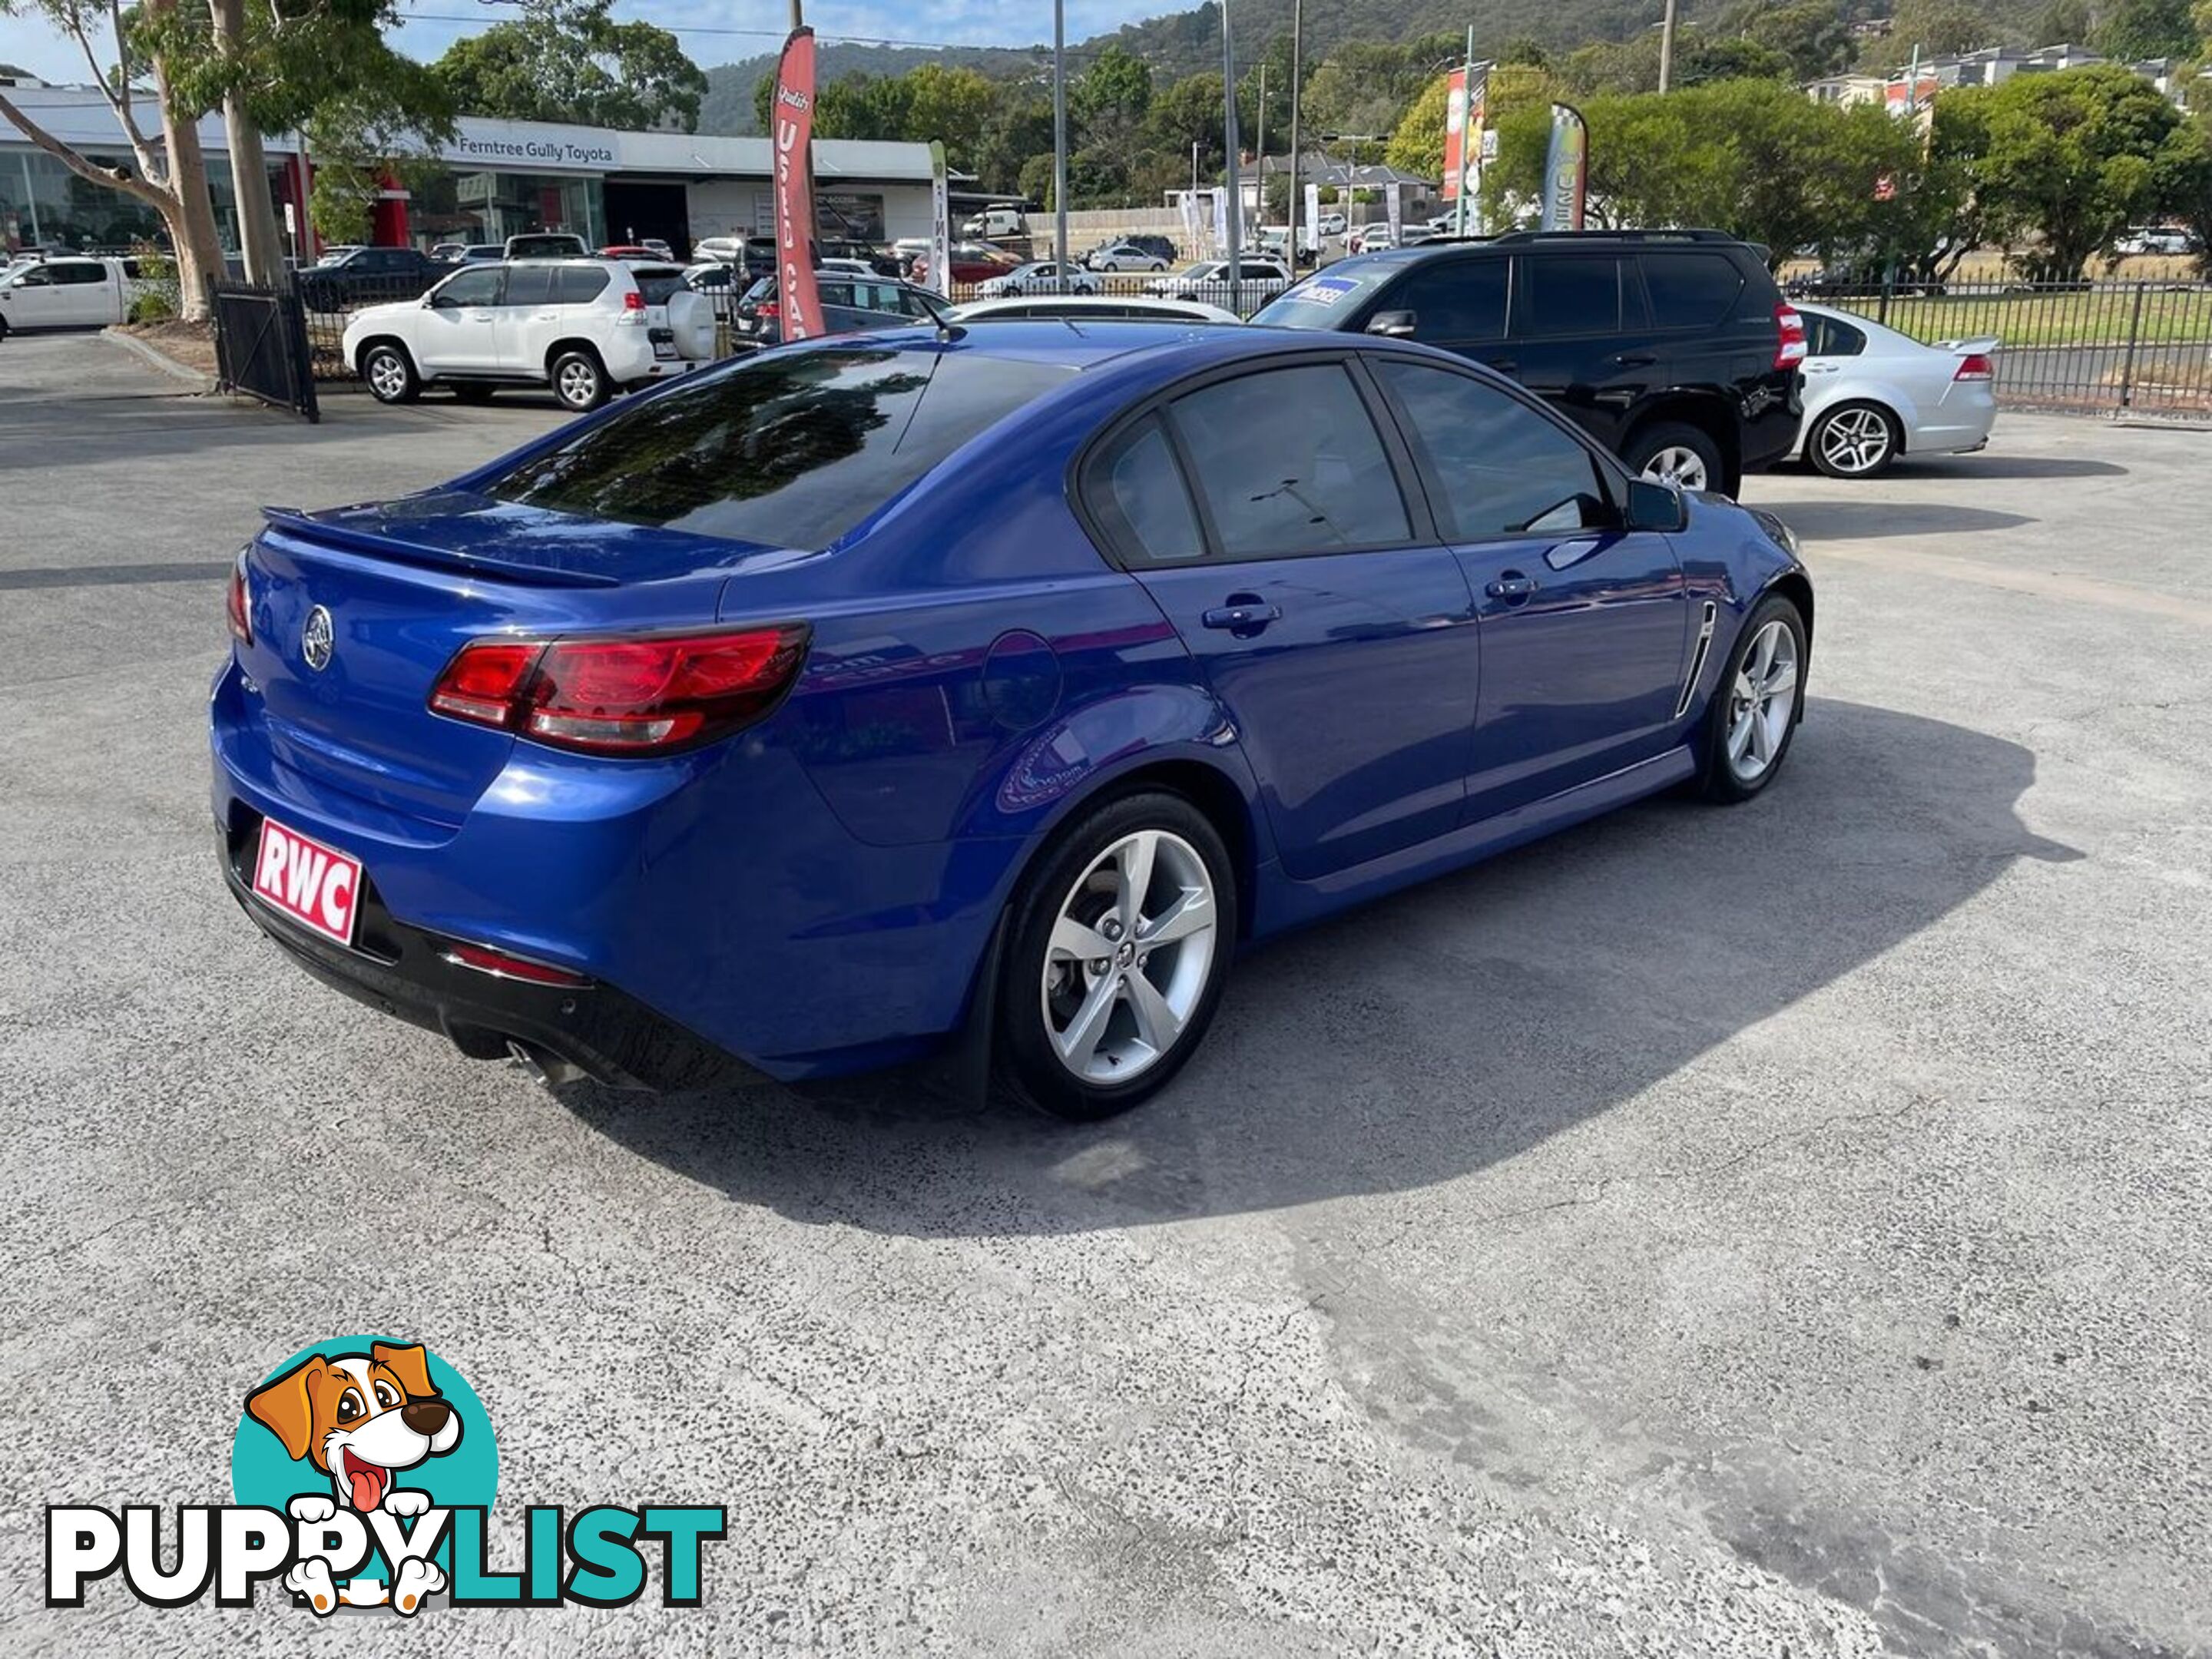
point(1396, 325)
point(1654, 505)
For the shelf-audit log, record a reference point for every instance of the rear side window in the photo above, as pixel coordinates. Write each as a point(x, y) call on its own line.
point(1455, 300)
point(785, 450)
point(1137, 490)
point(1830, 336)
point(1289, 462)
point(579, 285)
point(1571, 294)
point(1691, 290)
point(531, 285)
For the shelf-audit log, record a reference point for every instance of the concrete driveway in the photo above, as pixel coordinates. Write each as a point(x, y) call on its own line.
point(1777, 1230)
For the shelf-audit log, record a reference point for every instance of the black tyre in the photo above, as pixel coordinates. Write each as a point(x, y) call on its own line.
point(473, 392)
point(579, 381)
point(1757, 703)
point(390, 374)
point(1854, 441)
point(1118, 947)
point(1674, 452)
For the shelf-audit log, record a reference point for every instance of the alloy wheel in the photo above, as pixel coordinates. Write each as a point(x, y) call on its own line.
point(1678, 465)
point(1854, 441)
point(1762, 702)
point(1130, 955)
point(387, 375)
point(578, 385)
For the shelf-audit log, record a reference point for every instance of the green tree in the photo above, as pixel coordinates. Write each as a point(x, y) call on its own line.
point(1190, 112)
point(2131, 30)
point(1418, 146)
point(1812, 36)
point(1110, 98)
point(2073, 159)
point(569, 60)
point(1018, 129)
point(2068, 22)
point(1937, 27)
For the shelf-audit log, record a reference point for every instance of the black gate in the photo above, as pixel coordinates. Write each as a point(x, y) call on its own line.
point(261, 346)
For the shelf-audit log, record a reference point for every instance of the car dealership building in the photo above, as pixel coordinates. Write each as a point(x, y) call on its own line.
point(494, 180)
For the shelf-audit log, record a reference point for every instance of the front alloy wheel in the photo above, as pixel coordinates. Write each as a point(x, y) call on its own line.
point(1754, 707)
point(1854, 442)
point(1119, 947)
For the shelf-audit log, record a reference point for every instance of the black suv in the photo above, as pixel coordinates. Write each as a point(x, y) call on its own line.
point(1673, 348)
point(368, 276)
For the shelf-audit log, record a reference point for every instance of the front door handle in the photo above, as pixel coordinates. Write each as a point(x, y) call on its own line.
point(1635, 360)
point(1244, 614)
point(1512, 588)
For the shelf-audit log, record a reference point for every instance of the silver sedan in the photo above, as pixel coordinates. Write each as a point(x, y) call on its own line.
point(1872, 394)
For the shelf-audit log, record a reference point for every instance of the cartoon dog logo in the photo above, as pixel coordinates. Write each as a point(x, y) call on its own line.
point(360, 1419)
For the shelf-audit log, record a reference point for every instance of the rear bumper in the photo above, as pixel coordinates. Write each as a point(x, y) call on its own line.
point(607, 1034)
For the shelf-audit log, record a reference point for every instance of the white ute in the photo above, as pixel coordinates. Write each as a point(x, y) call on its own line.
point(587, 328)
point(67, 292)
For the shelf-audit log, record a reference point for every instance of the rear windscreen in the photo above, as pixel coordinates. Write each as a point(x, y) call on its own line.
point(657, 284)
point(787, 450)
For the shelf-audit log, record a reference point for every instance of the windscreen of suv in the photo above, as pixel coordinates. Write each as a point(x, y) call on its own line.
point(1327, 299)
point(784, 451)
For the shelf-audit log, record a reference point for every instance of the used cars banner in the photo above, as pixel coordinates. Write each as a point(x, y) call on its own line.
point(794, 187)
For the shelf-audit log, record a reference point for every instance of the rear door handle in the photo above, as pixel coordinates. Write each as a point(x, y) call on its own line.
point(1512, 588)
point(1245, 613)
point(1635, 360)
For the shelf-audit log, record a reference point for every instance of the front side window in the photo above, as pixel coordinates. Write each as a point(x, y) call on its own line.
point(1564, 293)
point(1289, 462)
point(1492, 465)
point(1458, 301)
point(783, 451)
point(471, 287)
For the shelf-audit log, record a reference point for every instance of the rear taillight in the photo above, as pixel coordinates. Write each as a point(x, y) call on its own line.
point(239, 604)
point(1790, 351)
point(647, 695)
point(767, 311)
point(1975, 367)
point(633, 308)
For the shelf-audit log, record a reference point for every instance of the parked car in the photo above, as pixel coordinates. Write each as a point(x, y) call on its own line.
point(73, 292)
point(480, 254)
point(1089, 309)
point(1872, 394)
point(1331, 222)
point(753, 254)
point(2156, 238)
point(875, 699)
point(587, 328)
point(1038, 277)
point(449, 253)
point(1007, 220)
point(972, 262)
point(849, 305)
point(1672, 347)
point(872, 259)
point(365, 276)
point(1859, 281)
point(548, 245)
point(1370, 239)
point(632, 251)
point(1124, 256)
point(1258, 277)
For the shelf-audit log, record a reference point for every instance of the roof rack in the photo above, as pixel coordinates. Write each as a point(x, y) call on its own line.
point(1687, 235)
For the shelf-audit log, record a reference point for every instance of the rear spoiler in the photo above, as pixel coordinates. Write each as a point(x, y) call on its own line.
point(1981, 347)
point(294, 522)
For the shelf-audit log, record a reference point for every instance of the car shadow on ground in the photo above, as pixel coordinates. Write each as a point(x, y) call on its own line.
point(1869, 521)
point(1969, 468)
point(1434, 1034)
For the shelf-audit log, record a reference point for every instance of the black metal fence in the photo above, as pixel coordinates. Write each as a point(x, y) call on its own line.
point(2102, 347)
point(328, 308)
point(261, 346)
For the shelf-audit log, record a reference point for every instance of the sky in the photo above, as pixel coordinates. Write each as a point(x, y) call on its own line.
point(708, 28)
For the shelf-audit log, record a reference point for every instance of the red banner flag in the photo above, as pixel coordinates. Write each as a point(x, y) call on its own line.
point(792, 123)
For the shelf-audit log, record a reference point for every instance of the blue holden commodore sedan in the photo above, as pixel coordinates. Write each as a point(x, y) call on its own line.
point(972, 692)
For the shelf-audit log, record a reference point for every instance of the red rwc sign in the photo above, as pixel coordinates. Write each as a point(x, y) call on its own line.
point(315, 885)
point(792, 122)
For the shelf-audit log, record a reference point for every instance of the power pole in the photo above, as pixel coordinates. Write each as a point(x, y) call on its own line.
point(1665, 45)
point(1059, 140)
point(1234, 208)
point(1297, 74)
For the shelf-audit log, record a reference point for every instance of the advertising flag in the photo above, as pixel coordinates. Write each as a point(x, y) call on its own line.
point(791, 122)
point(1394, 200)
point(940, 223)
point(1464, 120)
point(1312, 211)
point(1566, 170)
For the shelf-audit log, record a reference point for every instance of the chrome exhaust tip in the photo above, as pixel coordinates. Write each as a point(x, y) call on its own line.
point(548, 1071)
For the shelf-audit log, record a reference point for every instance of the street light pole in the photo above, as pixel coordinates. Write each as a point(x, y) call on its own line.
point(1235, 206)
point(1297, 74)
point(1059, 142)
point(1665, 45)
